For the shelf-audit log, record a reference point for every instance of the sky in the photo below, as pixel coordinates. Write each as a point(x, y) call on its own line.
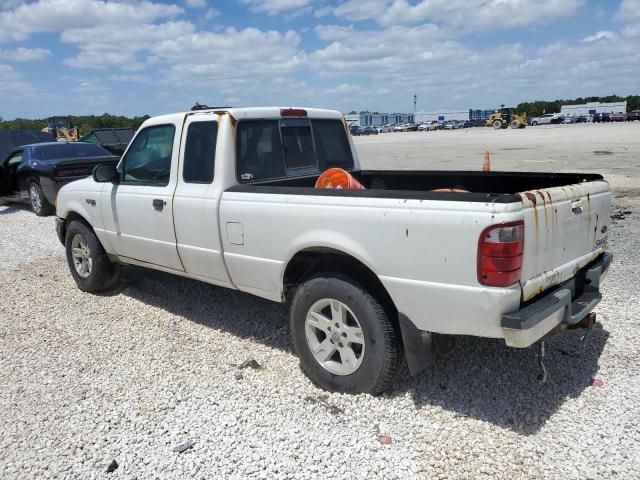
point(136, 57)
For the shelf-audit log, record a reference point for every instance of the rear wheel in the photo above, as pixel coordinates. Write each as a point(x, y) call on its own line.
point(343, 336)
point(534, 123)
point(39, 202)
point(497, 124)
point(88, 262)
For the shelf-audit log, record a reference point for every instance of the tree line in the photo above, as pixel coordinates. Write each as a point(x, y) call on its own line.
point(85, 123)
point(539, 107)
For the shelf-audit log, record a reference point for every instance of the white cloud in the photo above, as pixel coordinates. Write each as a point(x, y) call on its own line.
point(211, 13)
point(22, 54)
point(104, 47)
point(361, 9)
point(12, 82)
point(59, 15)
point(465, 15)
point(629, 12)
point(601, 35)
point(196, 3)
point(274, 7)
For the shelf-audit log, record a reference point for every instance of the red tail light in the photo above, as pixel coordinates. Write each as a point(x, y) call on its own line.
point(293, 112)
point(500, 250)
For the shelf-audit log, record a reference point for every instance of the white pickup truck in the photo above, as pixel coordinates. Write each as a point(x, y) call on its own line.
point(227, 197)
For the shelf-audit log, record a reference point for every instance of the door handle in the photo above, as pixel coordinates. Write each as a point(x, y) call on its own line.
point(158, 204)
point(576, 207)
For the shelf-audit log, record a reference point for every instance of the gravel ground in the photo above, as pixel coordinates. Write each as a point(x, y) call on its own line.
point(154, 364)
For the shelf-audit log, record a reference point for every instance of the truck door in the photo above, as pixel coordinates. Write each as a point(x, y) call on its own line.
point(196, 202)
point(137, 212)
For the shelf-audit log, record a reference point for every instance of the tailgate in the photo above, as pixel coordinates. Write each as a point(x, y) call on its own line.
point(565, 229)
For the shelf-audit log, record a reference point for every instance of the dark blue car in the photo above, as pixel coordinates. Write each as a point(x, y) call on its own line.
point(34, 173)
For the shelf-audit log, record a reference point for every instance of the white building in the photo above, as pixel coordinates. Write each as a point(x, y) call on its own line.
point(366, 119)
point(442, 115)
point(594, 107)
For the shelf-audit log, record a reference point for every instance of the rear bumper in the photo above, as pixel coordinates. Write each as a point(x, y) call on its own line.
point(561, 307)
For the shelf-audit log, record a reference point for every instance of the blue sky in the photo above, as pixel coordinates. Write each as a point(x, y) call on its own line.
point(137, 57)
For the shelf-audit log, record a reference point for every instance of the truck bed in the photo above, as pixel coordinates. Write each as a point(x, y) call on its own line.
point(500, 187)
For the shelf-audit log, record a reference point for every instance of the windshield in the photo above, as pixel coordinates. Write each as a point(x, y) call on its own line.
point(73, 150)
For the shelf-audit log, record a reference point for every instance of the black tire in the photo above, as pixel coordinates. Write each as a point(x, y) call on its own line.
point(103, 274)
point(497, 125)
point(39, 203)
point(534, 123)
point(382, 349)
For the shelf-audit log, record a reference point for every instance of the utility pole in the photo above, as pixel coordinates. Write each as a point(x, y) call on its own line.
point(415, 102)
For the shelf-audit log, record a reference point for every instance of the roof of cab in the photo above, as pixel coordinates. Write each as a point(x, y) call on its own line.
point(244, 113)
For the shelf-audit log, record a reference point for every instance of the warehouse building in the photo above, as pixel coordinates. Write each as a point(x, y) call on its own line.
point(369, 119)
point(593, 108)
point(442, 115)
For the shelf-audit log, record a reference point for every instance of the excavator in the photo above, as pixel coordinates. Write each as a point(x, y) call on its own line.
point(61, 129)
point(505, 117)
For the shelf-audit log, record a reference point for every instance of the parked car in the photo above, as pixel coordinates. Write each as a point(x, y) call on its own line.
point(406, 127)
point(366, 131)
point(453, 124)
point(618, 117)
point(353, 129)
point(429, 126)
point(633, 115)
point(568, 119)
point(601, 118)
point(546, 119)
point(34, 173)
point(384, 128)
point(371, 282)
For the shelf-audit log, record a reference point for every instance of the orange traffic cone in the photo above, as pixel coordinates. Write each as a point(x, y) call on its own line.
point(486, 165)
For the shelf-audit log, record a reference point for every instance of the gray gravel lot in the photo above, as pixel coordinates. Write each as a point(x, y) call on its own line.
point(133, 373)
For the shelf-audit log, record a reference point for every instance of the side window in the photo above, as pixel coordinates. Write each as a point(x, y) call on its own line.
point(259, 150)
point(15, 159)
point(148, 160)
point(332, 144)
point(200, 152)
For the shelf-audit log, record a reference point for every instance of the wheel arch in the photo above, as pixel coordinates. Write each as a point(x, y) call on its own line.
point(311, 260)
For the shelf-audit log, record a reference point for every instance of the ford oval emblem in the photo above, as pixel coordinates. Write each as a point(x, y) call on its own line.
point(604, 229)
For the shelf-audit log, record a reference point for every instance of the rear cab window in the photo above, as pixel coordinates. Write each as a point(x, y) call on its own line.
point(271, 149)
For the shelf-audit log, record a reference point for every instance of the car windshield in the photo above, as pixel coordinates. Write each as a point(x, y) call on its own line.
point(72, 150)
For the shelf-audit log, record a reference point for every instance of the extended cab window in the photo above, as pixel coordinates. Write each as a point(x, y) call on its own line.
point(148, 160)
point(200, 152)
point(269, 149)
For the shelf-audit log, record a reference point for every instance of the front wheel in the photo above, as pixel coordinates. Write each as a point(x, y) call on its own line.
point(515, 124)
point(89, 264)
point(343, 336)
point(497, 125)
point(39, 203)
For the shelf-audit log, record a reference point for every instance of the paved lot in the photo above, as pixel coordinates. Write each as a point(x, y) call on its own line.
point(131, 374)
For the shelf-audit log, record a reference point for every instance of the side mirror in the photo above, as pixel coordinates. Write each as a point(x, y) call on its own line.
point(105, 172)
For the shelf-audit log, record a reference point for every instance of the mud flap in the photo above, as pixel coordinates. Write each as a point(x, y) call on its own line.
point(417, 346)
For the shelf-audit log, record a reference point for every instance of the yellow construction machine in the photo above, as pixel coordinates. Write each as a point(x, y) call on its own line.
point(61, 129)
point(506, 117)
